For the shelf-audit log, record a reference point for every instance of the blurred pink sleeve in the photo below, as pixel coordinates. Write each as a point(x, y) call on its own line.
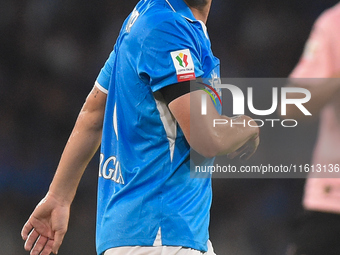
point(318, 58)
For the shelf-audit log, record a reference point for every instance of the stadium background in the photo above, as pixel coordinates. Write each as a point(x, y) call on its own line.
point(50, 54)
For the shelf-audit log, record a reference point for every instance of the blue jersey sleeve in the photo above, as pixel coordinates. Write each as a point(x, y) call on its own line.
point(170, 54)
point(103, 79)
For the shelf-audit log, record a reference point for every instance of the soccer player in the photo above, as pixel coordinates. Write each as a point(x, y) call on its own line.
point(319, 229)
point(147, 121)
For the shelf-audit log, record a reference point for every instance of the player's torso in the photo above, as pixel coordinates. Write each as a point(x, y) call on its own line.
point(134, 113)
point(322, 194)
point(144, 175)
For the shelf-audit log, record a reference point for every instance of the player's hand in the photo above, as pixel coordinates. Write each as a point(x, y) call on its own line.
point(247, 150)
point(46, 227)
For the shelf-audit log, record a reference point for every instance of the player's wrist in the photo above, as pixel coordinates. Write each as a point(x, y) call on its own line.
point(59, 198)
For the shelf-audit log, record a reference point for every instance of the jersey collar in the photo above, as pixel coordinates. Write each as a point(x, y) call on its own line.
point(182, 8)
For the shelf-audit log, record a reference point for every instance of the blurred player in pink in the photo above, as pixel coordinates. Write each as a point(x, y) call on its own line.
point(318, 231)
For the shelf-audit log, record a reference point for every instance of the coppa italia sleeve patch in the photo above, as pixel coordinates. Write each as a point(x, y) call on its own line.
point(184, 65)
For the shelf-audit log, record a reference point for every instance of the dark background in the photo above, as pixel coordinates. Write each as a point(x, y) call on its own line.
point(50, 55)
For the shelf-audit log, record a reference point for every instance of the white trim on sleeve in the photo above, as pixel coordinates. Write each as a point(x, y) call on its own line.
point(100, 87)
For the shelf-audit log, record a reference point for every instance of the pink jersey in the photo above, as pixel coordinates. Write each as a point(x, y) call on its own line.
point(321, 59)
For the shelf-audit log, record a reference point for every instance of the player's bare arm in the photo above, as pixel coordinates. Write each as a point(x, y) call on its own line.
point(47, 225)
point(321, 95)
point(206, 139)
point(83, 142)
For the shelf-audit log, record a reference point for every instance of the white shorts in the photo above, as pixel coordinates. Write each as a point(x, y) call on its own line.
point(158, 250)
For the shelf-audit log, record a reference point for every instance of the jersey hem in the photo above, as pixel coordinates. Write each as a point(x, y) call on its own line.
point(148, 242)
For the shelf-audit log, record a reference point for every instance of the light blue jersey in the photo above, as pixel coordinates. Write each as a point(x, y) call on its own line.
point(144, 185)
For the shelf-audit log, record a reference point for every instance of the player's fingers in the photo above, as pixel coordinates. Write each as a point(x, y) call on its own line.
point(26, 229)
point(48, 247)
point(58, 239)
point(251, 149)
point(31, 238)
point(237, 152)
point(247, 155)
point(39, 245)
